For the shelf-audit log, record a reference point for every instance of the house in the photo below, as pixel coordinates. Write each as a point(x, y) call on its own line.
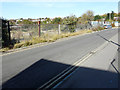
point(116, 18)
point(35, 20)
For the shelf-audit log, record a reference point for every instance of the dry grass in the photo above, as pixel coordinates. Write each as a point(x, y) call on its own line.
point(49, 38)
point(4, 49)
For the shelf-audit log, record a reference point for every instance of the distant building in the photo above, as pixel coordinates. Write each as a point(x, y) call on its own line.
point(116, 18)
point(35, 20)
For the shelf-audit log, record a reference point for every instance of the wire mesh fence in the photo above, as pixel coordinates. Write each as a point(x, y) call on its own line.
point(27, 32)
point(50, 28)
point(23, 32)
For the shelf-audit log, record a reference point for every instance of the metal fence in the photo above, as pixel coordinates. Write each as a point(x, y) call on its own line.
point(4, 33)
point(0, 33)
point(23, 32)
point(27, 32)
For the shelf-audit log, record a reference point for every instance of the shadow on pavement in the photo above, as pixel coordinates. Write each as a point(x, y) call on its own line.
point(109, 41)
point(44, 70)
point(103, 38)
point(91, 78)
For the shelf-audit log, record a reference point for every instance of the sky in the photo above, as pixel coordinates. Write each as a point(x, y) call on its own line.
point(41, 9)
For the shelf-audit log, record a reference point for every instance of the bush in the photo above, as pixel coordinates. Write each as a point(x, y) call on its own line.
point(54, 37)
point(97, 28)
point(18, 45)
point(113, 24)
point(22, 44)
point(94, 29)
point(38, 40)
point(4, 49)
point(100, 28)
point(27, 43)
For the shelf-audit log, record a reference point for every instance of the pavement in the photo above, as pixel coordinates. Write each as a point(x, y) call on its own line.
point(34, 67)
point(99, 71)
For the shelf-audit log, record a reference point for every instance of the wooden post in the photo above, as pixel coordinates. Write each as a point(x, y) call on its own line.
point(59, 28)
point(39, 29)
point(104, 21)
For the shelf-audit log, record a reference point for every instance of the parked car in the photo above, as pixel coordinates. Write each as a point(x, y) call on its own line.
point(107, 26)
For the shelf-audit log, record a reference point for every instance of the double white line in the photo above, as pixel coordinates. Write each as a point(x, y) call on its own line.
point(57, 80)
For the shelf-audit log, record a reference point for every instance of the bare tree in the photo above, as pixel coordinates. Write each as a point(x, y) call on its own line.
point(90, 15)
point(87, 17)
point(83, 19)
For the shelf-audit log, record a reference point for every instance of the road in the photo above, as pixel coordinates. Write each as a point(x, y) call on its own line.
point(98, 71)
point(34, 67)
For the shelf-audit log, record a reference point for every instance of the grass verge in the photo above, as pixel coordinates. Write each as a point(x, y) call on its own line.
point(46, 38)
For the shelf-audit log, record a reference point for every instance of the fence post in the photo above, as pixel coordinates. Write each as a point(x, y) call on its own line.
point(59, 31)
point(104, 21)
point(39, 29)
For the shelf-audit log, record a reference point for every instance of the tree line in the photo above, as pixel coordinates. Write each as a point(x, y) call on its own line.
point(86, 18)
point(106, 17)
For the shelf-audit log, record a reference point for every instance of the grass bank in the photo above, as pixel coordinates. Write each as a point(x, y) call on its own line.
point(49, 38)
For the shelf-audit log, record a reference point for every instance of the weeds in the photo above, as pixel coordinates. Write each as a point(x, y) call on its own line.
point(98, 28)
point(49, 38)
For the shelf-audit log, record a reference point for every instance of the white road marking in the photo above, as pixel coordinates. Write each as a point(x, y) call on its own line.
point(77, 63)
